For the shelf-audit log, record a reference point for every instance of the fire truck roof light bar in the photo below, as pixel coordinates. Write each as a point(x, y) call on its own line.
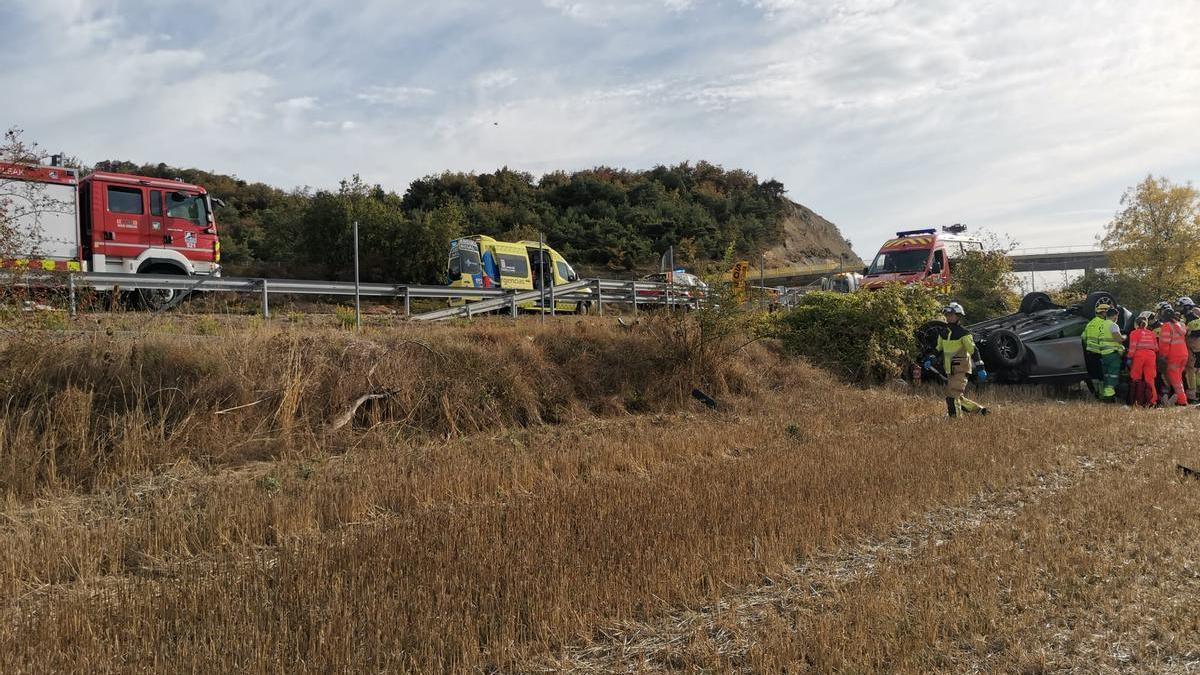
point(913, 233)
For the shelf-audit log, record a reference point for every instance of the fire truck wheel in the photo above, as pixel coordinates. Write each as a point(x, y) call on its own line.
point(156, 300)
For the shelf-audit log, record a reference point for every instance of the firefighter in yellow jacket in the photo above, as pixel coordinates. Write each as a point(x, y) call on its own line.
point(958, 351)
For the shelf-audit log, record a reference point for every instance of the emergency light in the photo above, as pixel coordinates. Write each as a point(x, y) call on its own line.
point(913, 233)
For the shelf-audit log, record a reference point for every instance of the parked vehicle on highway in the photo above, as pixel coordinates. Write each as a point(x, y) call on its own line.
point(919, 256)
point(1039, 343)
point(480, 261)
point(843, 282)
point(689, 290)
point(111, 222)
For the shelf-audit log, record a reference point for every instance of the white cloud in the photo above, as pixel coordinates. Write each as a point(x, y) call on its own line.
point(495, 79)
point(604, 11)
point(349, 126)
point(383, 95)
point(298, 104)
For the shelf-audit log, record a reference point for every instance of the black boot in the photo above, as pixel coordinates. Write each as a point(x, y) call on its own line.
point(952, 407)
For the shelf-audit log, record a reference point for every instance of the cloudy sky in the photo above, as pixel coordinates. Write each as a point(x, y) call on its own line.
point(1026, 117)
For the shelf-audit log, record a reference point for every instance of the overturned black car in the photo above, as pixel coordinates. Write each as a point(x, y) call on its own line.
point(1041, 343)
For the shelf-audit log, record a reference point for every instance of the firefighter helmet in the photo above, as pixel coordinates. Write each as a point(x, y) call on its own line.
point(954, 308)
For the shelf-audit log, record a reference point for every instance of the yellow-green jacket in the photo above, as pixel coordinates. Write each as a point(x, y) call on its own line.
point(953, 341)
point(1092, 334)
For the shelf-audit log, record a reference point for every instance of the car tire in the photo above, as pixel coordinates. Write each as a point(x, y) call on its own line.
point(1088, 309)
point(1035, 302)
point(927, 336)
point(1005, 349)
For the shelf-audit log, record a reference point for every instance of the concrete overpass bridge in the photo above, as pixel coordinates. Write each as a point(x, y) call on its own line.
point(1046, 259)
point(1059, 258)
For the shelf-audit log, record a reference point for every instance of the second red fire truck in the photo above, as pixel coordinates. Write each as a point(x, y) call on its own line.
point(110, 222)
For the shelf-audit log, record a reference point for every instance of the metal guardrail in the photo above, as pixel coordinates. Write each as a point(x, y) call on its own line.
point(510, 300)
point(478, 300)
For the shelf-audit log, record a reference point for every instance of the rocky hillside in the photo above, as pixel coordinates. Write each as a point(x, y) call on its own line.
point(810, 239)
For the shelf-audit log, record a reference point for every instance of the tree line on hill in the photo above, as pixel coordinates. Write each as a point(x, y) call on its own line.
point(607, 218)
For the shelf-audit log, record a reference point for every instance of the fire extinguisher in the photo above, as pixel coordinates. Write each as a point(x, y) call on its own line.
point(916, 373)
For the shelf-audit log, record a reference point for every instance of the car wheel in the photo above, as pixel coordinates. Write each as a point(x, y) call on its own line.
point(1035, 302)
point(1088, 309)
point(927, 335)
point(1005, 349)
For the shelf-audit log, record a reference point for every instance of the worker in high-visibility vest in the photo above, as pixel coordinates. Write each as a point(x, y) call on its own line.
point(958, 351)
point(1191, 320)
point(1172, 344)
point(1091, 349)
point(1155, 325)
point(1110, 343)
point(1143, 363)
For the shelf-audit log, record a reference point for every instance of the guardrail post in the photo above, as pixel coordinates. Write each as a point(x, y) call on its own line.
point(599, 298)
point(266, 304)
point(633, 294)
point(512, 303)
point(71, 292)
point(407, 303)
point(467, 306)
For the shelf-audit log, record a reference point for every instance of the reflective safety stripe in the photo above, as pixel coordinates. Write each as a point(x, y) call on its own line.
point(1091, 335)
point(1170, 334)
point(1105, 342)
point(952, 348)
point(43, 265)
point(1143, 339)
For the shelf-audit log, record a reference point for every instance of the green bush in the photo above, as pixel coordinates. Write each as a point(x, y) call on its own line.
point(865, 337)
point(983, 283)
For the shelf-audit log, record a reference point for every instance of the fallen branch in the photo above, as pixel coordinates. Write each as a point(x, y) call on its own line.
point(344, 418)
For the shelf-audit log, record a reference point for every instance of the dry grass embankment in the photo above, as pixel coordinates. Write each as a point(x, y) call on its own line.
point(448, 529)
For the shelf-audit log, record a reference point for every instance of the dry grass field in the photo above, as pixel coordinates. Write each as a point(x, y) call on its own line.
point(522, 498)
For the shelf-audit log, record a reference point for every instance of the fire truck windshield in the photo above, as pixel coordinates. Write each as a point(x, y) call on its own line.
point(900, 262)
point(188, 207)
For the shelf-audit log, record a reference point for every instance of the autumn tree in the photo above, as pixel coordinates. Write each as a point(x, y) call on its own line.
point(1154, 239)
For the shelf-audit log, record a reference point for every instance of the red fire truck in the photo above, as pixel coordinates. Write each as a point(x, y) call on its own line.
point(919, 257)
point(110, 222)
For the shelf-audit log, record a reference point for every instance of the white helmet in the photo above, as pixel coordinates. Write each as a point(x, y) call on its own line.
point(1185, 301)
point(1162, 305)
point(954, 308)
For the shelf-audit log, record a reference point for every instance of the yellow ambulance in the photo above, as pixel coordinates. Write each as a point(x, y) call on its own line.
point(480, 261)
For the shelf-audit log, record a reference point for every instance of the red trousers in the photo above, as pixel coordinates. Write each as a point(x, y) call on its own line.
point(1176, 362)
point(1142, 373)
